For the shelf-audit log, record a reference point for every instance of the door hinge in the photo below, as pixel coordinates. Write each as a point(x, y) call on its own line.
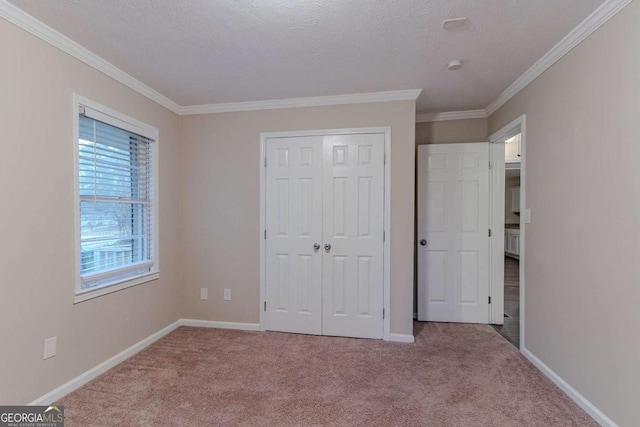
point(489, 232)
point(265, 306)
point(383, 313)
point(489, 165)
point(265, 234)
point(265, 162)
point(489, 300)
point(385, 158)
point(384, 236)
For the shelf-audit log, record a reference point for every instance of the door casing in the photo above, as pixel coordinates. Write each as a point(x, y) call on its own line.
point(496, 285)
point(386, 131)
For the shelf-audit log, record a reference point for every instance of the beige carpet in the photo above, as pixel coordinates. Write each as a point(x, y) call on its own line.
point(454, 375)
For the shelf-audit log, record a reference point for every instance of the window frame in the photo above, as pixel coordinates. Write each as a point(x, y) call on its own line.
point(127, 123)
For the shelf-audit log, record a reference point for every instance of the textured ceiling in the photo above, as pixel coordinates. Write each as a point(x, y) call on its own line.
point(217, 51)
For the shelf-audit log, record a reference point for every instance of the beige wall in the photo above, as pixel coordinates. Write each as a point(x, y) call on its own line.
point(221, 202)
point(582, 275)
point(509, 216)
point(451, 131)
point(37, 223)
point(213, 172)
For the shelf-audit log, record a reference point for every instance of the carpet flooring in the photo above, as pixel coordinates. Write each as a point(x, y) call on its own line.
point(454, 375)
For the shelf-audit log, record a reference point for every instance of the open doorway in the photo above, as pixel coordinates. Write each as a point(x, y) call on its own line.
point(510, 329)
point(508, 217)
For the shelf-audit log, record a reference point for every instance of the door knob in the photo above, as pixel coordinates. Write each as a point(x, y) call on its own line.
point(423, 242)
point(316, 246)
point(327, 247)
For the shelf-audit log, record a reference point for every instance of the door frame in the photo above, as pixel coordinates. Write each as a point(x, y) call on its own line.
point(386, 131)
point(496, 274)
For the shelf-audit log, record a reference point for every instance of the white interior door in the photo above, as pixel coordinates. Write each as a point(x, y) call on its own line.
point(294, 225)
point(453, 227)
point(353, 232)
point(327, 190)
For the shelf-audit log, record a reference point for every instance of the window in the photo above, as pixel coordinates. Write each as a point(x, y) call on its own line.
point(116, 201)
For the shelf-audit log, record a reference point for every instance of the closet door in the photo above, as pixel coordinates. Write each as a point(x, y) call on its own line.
point(353, 209)
point(294, 226)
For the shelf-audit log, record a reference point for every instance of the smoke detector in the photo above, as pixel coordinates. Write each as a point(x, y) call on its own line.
point(456, 64)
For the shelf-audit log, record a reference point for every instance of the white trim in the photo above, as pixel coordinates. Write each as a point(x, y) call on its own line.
point(451, 115)
point(32, 25)
point(27, 22)
point(591, 23)
point(98, 370)
point(578, 398)
point(496, 224)
point(594, 21)
point(386, 328)
point(401, 338)
point(515, 126)
point(101, 368)
point(114, 287)
point(312, 101)
point(387, 212)
point(106, 114)
point(220, 325)
point(261, 231)
point(145, 130)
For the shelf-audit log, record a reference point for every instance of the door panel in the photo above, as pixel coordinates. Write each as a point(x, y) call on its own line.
point(294, 224)
point(453, 222)
point(326, 190)
point(353, 206)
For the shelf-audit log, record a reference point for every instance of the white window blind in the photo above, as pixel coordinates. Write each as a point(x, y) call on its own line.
point(115, 192)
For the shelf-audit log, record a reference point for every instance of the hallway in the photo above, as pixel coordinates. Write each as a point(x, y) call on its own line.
point(511, 328)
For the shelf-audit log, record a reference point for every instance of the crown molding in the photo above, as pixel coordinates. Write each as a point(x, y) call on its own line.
point(313, 101)
point(27, 22)
point(30, 24)
point(451, 115)
point(594, 21)
point(591, 23)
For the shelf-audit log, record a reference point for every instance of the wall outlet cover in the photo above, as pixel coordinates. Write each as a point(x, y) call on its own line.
point(49, 347)
point(227, 294)
point(204, 293)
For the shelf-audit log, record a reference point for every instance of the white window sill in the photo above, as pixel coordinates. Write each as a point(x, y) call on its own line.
point(107, 289)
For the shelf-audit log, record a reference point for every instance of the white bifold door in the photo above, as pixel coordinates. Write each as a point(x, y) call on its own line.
point(453, 232)
point(324, 235)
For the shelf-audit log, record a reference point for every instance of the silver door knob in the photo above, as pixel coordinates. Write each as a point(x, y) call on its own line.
point(316, 246)
point(327, 247)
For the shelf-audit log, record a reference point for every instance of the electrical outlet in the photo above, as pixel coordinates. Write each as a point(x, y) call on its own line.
point(204, 293)
point(527, 216)
point(49, 347)
point(227, 294)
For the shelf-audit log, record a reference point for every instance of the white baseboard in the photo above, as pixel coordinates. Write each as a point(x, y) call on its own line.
point(94, 372)
point(220, 325)
point(401, 338)
point(582, 401)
